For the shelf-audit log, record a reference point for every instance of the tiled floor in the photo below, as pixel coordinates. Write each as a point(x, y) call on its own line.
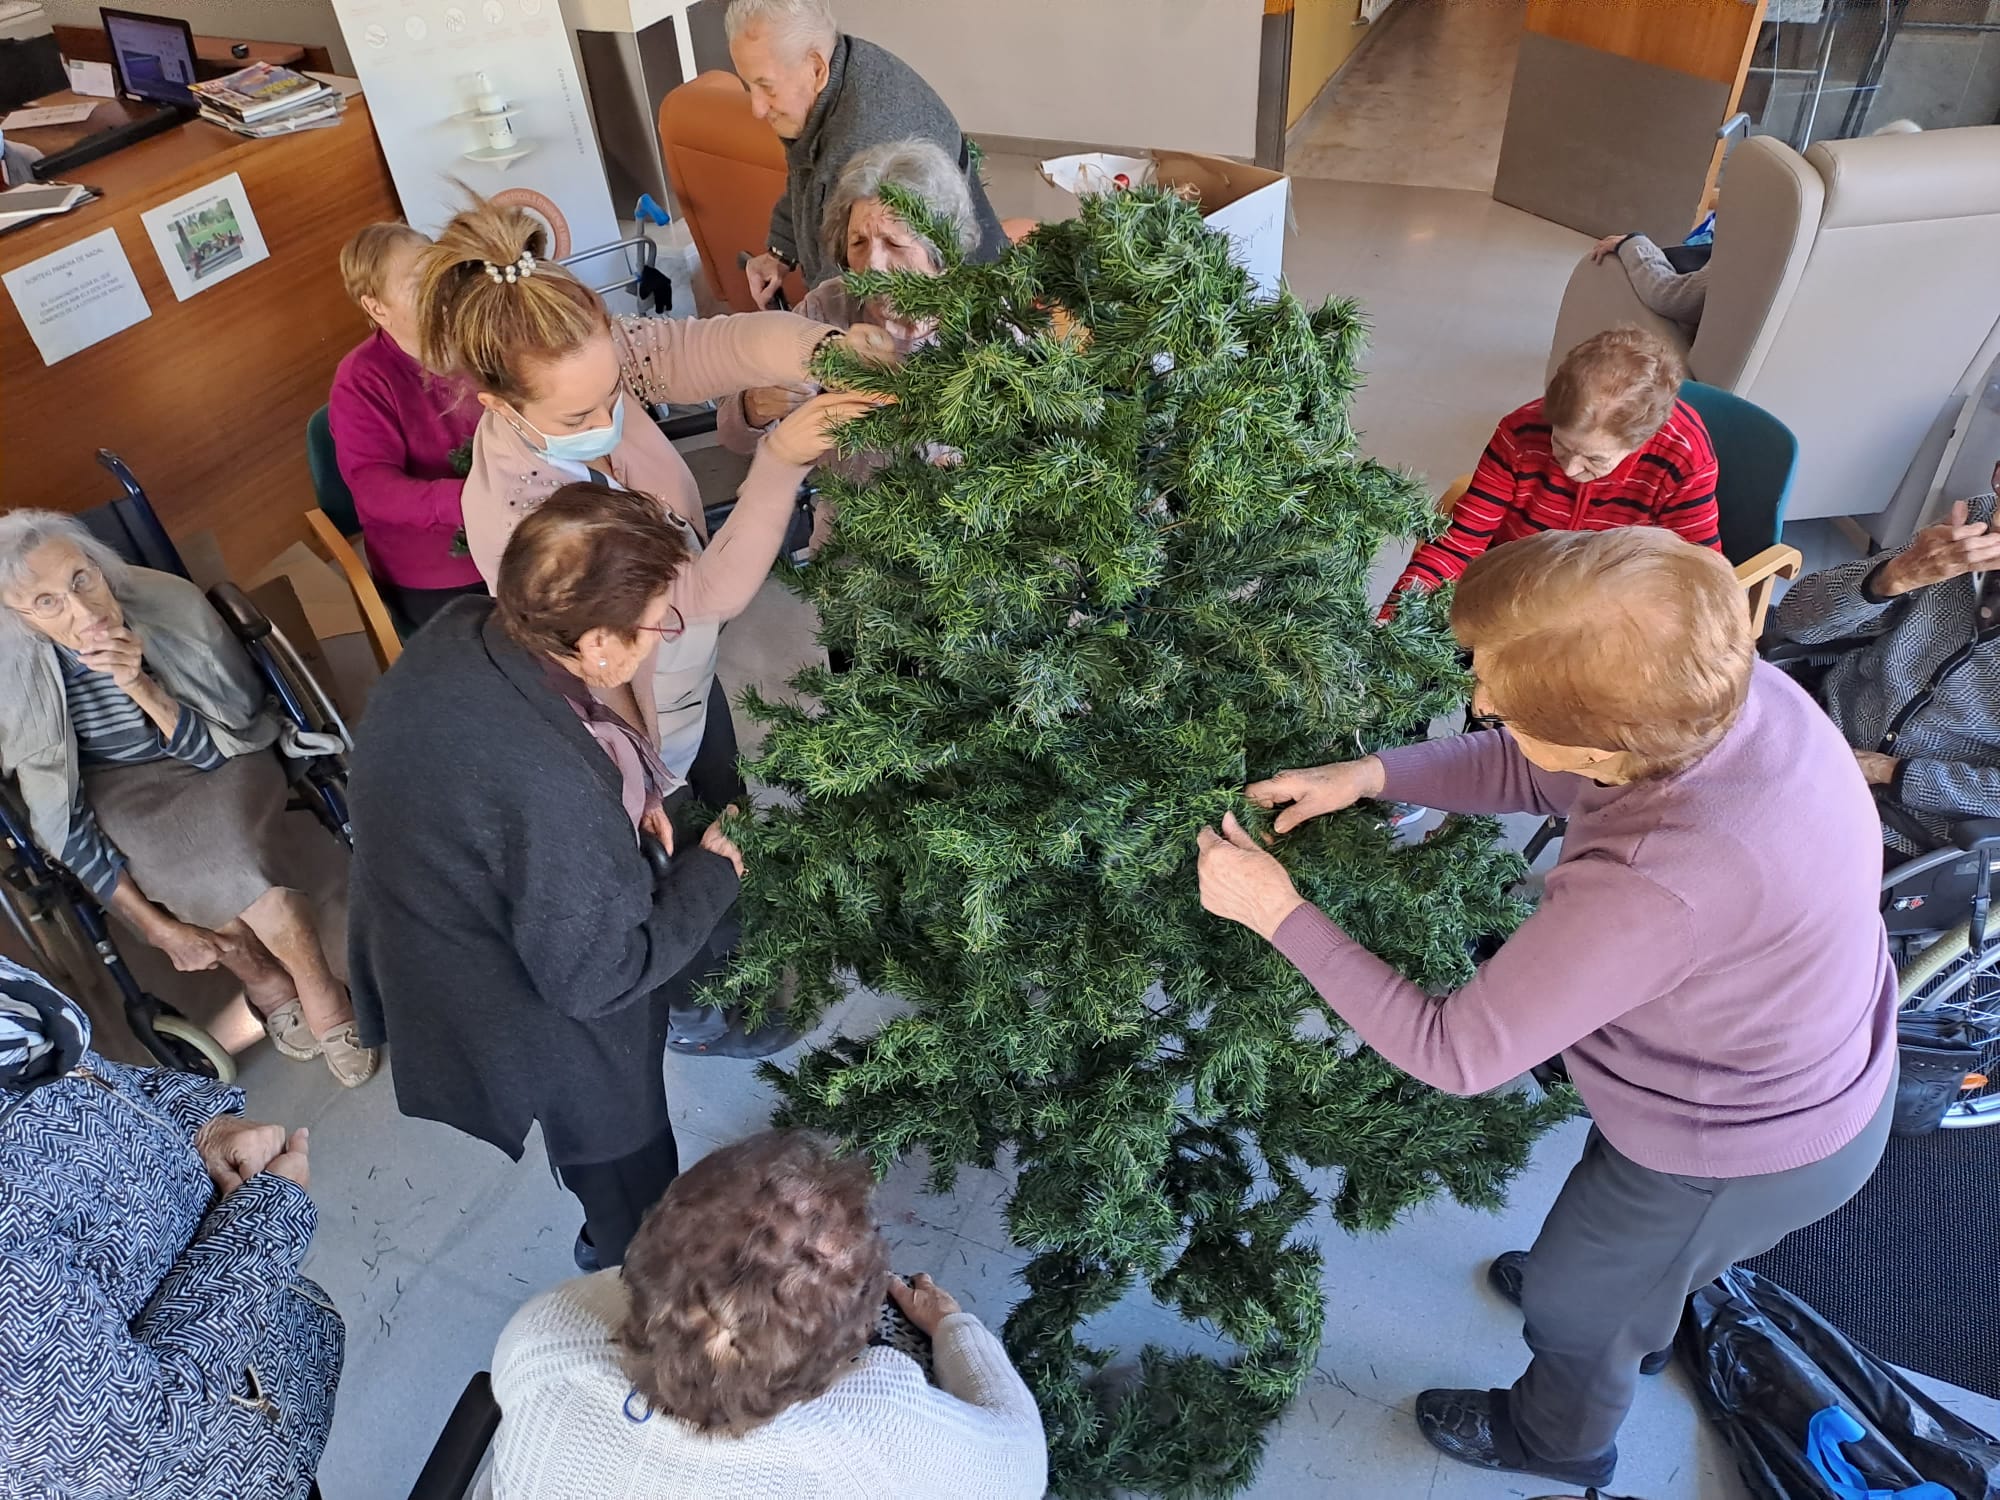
point(1422, 104)
point(428, 1240)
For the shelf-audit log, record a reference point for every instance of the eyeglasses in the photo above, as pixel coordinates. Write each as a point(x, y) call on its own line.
point(668, 632)
point(1477, 722)
point(86, 580)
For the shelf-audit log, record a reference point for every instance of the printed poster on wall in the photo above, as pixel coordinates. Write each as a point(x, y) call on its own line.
point(205, 236)
point(420, 63)
point(77, 296)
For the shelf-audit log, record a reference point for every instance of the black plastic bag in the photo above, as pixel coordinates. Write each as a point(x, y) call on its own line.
point(1766, 1364)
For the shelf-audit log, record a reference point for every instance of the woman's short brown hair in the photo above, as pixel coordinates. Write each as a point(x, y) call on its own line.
point(754, 1281)
point(587, 558)
point(1622, 382)
point(472, 320)
point(364, 260)
point(1630, 639)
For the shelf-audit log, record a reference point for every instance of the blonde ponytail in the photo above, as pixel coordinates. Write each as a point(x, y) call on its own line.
point(492, 307)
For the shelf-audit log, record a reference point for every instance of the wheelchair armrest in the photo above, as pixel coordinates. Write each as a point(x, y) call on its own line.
point(468, 1432)
point(243, 617)
point(1976, 834)
point(687, 425)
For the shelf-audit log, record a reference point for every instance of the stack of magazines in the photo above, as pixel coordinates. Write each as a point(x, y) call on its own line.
point(264, 100)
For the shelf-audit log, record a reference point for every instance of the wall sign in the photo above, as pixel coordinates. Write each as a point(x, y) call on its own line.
point(77, 296)
point(206, 236)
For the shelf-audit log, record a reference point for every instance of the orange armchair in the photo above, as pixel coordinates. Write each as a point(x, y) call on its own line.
point(727, 168)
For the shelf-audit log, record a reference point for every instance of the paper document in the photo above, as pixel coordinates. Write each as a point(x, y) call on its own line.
point(92, 78)
point(78, 296)
point(48, 114)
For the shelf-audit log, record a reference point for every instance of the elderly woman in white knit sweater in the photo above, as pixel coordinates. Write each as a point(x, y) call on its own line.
point(740, 1354)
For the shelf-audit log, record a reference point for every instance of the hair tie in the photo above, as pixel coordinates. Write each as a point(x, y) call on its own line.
point(518, 270)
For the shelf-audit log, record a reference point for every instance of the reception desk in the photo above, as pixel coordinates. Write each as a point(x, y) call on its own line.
point(206, 399)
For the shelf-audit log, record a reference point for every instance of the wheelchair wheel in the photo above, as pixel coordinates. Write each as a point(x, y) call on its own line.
point(57, 945)
point(195, 1051)
point(1949, 976)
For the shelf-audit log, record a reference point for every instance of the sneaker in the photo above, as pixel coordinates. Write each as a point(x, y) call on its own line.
point(1472, 1427)
point(1402, 814)
point(1504, 1276)
point(287, 1029)
point(350, 1063)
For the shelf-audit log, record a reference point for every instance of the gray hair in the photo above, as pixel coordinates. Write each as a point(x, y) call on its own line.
point(23, 532)
point(917, 166)
point(804, 23)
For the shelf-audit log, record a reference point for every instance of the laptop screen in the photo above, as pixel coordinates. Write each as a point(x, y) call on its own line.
point(152, 55)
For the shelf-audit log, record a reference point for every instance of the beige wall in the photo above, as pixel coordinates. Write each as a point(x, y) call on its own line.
point(308, 22)
point(1180, 74)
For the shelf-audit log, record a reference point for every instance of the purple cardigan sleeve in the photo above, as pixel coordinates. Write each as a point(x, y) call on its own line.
point(1604, 940)
point(1483, 772)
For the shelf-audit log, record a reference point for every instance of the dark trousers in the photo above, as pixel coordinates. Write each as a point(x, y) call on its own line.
point(1619, 1255)
point(617, 1194)
point(411, 609)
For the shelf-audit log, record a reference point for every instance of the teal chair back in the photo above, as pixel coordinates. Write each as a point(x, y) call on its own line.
point(329, 489)
point(1755, 457)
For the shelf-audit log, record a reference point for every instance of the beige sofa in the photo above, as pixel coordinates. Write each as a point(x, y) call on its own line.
point(1854, 292)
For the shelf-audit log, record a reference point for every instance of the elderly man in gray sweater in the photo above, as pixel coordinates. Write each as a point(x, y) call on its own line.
point(829, 96)
point(1915, 687)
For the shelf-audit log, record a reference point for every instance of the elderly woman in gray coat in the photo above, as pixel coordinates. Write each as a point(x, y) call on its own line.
point(862, 233)
point(136, 729)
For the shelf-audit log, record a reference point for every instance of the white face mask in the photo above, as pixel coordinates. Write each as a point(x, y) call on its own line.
point(583, 447)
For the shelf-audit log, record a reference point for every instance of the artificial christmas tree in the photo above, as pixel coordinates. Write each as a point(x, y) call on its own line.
point(1120, 571)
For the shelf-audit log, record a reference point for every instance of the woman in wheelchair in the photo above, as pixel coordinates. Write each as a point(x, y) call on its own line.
point(137, 730)
point(565, 387)
point(1902, 650)
point(156, 1337)
point(747, 1350)
point(862, 233)
point(1708, 958)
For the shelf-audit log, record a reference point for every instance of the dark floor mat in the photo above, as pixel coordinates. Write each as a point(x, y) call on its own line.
point(1907, 1269)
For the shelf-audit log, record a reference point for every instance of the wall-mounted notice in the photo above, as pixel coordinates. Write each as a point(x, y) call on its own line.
point(437, 71)
point(78, 296)
point(205, 236)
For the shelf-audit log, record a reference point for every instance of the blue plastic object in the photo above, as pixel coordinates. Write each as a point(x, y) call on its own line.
point(1826, 1433)
point(646, 211)
point(1755, 456)
point(1702, 233)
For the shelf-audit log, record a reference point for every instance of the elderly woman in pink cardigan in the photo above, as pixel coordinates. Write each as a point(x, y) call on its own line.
point(562, 382)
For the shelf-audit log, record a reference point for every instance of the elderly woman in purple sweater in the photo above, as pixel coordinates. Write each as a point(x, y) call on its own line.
point(1708, 958)
point(402, 436)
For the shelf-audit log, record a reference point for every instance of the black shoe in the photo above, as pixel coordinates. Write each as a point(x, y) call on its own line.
point(1472, 1427)
point(1504, 1276)
point(585, 1253)
point(709, 1032)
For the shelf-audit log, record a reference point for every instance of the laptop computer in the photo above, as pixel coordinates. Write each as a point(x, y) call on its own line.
point(152, 57)
point(152, 61)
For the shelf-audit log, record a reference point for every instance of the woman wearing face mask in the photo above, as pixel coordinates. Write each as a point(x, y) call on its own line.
point(565, 387)
point(401, 434)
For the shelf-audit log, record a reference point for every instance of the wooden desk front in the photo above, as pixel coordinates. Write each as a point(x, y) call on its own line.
point(206, 399)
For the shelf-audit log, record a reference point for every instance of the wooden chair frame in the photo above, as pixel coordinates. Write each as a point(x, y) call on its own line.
point(331, 547)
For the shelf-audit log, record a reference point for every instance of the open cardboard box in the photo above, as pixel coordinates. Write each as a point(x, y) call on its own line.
point(1252, 205)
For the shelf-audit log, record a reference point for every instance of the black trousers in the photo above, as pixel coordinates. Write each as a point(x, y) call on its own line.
point(411, 609)
point(617, 1194)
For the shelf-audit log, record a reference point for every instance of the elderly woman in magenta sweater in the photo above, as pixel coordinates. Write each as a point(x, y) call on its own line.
point(402, 435)
point(1708, 957)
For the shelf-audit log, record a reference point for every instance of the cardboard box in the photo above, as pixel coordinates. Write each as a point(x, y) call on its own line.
point(1252, 205)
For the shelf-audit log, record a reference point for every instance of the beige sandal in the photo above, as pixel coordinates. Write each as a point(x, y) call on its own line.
point(350, 1063)
point(287, 1029)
